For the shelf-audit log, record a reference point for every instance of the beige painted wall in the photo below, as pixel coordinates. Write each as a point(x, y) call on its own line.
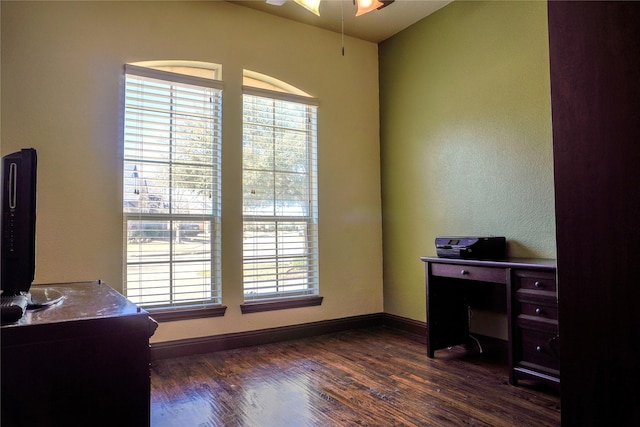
point(466, 141)
point(62, 66)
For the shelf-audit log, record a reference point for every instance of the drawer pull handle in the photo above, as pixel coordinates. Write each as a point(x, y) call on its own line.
point(537, 284)
point(539, 349)
point(464, 272)
point(538, 311)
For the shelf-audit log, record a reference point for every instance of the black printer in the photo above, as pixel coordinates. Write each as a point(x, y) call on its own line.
point(471, 247)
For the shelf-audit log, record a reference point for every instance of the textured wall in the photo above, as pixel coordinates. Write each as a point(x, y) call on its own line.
point(466, 140)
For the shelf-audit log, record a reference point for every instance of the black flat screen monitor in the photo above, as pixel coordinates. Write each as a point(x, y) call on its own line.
point(18, 246)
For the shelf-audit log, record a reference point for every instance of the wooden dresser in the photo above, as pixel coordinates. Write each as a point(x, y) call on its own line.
point(82, 361)
point(525, 289)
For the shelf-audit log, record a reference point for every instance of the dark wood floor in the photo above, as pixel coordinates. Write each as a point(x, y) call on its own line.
point(373, 377)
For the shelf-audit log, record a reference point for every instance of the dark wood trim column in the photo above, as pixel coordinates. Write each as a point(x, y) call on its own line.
point(595, 95)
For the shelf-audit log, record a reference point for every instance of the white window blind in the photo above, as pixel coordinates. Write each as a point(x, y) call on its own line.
point(280, 241)
point(171, 194)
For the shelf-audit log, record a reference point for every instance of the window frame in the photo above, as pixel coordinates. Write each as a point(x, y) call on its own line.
point(291, 300)
point(206, 307)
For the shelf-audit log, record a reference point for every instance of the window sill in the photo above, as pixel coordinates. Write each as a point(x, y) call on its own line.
point(169, 315)
point(283, 304)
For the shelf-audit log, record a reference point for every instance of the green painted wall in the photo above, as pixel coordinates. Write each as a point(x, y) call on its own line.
point(465, 141)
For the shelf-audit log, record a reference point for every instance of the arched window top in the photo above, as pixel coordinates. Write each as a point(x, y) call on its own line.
point(262, 81)
point(206, 70)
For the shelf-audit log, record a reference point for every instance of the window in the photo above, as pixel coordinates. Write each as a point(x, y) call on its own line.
point(280, 240)
point(171, 194)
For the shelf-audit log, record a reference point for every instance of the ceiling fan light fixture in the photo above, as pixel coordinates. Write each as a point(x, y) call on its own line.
point(365, 6)
point(310, 5)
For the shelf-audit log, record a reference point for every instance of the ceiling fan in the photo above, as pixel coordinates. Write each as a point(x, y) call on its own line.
point(364, 6)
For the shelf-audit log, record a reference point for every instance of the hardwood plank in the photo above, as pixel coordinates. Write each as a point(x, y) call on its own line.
point(372, 377)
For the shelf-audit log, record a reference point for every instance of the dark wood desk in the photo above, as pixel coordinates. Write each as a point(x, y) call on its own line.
point(525, 289)
point(84, 361)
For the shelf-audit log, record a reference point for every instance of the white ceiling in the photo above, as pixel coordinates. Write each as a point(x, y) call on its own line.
point(374, 26)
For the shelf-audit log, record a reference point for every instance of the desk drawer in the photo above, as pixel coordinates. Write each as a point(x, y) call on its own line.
point(537, 349)
point(538, 281)
point(467, 272)
point(539, 310)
